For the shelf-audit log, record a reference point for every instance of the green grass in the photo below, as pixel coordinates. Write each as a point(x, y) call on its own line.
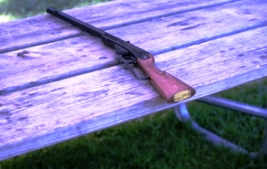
point(158, 141)
point(15, 9)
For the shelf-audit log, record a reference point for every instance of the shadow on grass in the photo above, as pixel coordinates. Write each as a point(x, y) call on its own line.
point(157, 142)
point(160, 141)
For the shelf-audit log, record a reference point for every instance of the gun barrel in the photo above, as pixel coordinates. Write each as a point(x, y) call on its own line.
point(169, 87)
point(75, 22)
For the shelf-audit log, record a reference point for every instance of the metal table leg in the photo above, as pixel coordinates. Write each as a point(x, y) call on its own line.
point(183, 115)
point(234, 105)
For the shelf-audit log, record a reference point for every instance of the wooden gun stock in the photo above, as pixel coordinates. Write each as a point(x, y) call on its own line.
point(170, 88)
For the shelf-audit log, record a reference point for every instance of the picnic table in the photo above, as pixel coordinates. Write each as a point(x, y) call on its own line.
point(58, 83)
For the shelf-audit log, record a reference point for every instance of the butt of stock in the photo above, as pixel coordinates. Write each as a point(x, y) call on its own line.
point(169, 87)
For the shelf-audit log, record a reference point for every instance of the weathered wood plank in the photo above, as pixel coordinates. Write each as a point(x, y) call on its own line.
point(58, 111)
point(50, 62)
point(106, 15)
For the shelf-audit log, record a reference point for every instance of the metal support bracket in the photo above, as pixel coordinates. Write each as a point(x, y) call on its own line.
point(183, 115)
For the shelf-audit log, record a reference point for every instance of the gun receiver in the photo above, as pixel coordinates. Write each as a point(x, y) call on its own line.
point(170, 88)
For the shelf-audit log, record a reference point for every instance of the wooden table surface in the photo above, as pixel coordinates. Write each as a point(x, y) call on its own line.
point(57, 83)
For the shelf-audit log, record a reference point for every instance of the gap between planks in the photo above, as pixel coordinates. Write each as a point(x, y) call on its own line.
point(53, 67)
point(53, 33)
point(63, 110)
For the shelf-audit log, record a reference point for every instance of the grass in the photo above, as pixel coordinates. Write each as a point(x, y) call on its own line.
point(158, 141)
point(16, 9)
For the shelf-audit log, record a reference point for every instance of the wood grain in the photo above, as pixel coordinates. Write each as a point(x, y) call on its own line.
point(169, 87)
point(71, 57)
point(57, 83)
point(106, 15)
point(66, 109)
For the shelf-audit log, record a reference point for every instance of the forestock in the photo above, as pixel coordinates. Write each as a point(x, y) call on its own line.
point(169, 87)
